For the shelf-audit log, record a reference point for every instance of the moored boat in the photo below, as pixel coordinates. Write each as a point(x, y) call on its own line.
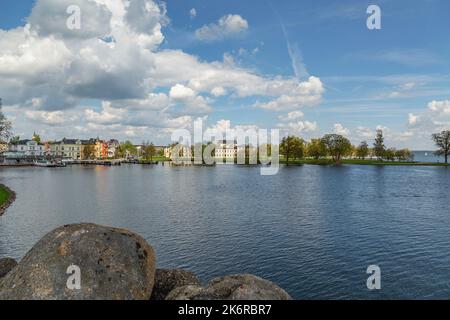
point(48, 163)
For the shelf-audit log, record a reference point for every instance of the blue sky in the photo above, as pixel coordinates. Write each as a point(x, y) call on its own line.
point(396, 78)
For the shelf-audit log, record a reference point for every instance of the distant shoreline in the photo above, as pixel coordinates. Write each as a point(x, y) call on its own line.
point(320, 162)
point(326, 162)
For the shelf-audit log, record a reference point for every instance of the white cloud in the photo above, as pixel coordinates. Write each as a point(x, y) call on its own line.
point(218, 91)
point(227, 26)
point(180, 92)
point(108, 115)
point(49, 17)
point(193, 13)
point(413, 119)
point(298, 95)
point(299, 127)
point(49, 70)
point(293, 115)
point(364, 133)
point(50, 118)
point(339, 129)
point(440, 107)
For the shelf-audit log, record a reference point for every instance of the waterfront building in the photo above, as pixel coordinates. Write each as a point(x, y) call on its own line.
point(183, 152)
point(101, 149)
point(28, 148)
point(226, 150)
point(113, 146)
point(67, 148)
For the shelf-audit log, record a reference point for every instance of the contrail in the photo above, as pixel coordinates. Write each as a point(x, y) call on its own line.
point(293, 49)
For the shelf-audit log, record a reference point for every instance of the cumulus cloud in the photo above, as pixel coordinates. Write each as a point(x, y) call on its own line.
point(440, 107)
point(49, 18)
point(47, 70)
point(50, 118)
point(299, 127)
point(227, 26)
point(339, 129)
point(296, 95)
point(293, 115)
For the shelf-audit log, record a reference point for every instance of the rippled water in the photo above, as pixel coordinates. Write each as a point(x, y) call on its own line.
point(313, 230)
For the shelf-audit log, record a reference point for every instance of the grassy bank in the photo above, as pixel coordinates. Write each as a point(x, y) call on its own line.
point(4, 195)
point(363, 162)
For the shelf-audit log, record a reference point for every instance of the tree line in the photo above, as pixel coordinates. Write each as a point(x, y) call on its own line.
point(336, 147)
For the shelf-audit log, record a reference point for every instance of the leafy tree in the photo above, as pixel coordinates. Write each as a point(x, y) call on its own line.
point(403, 155)
point(379, 147)
point(14, 140)
point(148, 151)
point(316, 149)
point(390, 153)
point(291, 147)
point(362, 151)
point(442, 141)
point(89, 151)
point(338, 146)
point(36, 138)
point(5, 125)
point(299, 148)
point(126, 149)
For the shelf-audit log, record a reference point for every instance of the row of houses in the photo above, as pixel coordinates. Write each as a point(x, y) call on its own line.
point(78, 149)
point(75, 149)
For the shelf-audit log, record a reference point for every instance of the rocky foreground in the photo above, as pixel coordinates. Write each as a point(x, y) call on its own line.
point(114, 264)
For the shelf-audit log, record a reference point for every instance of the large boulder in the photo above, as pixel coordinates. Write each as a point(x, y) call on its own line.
point(168, 279)
point(234, 287)
point(113, 264)
point(6, 265)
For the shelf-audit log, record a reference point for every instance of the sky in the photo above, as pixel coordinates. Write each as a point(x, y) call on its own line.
point(140, 69)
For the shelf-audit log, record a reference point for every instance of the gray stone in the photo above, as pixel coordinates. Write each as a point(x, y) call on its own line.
point(6, 265)
point(168, 279)
point(115, 264)
point(234, 287)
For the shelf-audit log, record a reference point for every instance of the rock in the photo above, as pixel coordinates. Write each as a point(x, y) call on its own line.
point(115, 264)
point(6, 265)
point(234, 287)
point(168, 279)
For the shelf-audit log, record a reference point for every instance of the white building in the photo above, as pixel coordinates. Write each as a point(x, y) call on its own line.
point(28, 148)
point(226, 150)
point(184, 152)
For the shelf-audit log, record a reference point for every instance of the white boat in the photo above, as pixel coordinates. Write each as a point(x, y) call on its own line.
point(47, 163)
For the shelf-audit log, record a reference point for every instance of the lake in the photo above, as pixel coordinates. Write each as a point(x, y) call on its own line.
point(313, 230)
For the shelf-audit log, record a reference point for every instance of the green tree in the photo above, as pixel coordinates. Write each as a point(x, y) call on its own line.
point(316, 149)
point(14, 140)
point(338, 146)
point(442, 141)
point(36, 138)
point(127, 148)
point(148, 151)
point(362, 151)
point(378, 146)
point(403, 155)
point(390, 153)
point(5, 125)
point(291, 147)
point(298, 149)
point(88, 151)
